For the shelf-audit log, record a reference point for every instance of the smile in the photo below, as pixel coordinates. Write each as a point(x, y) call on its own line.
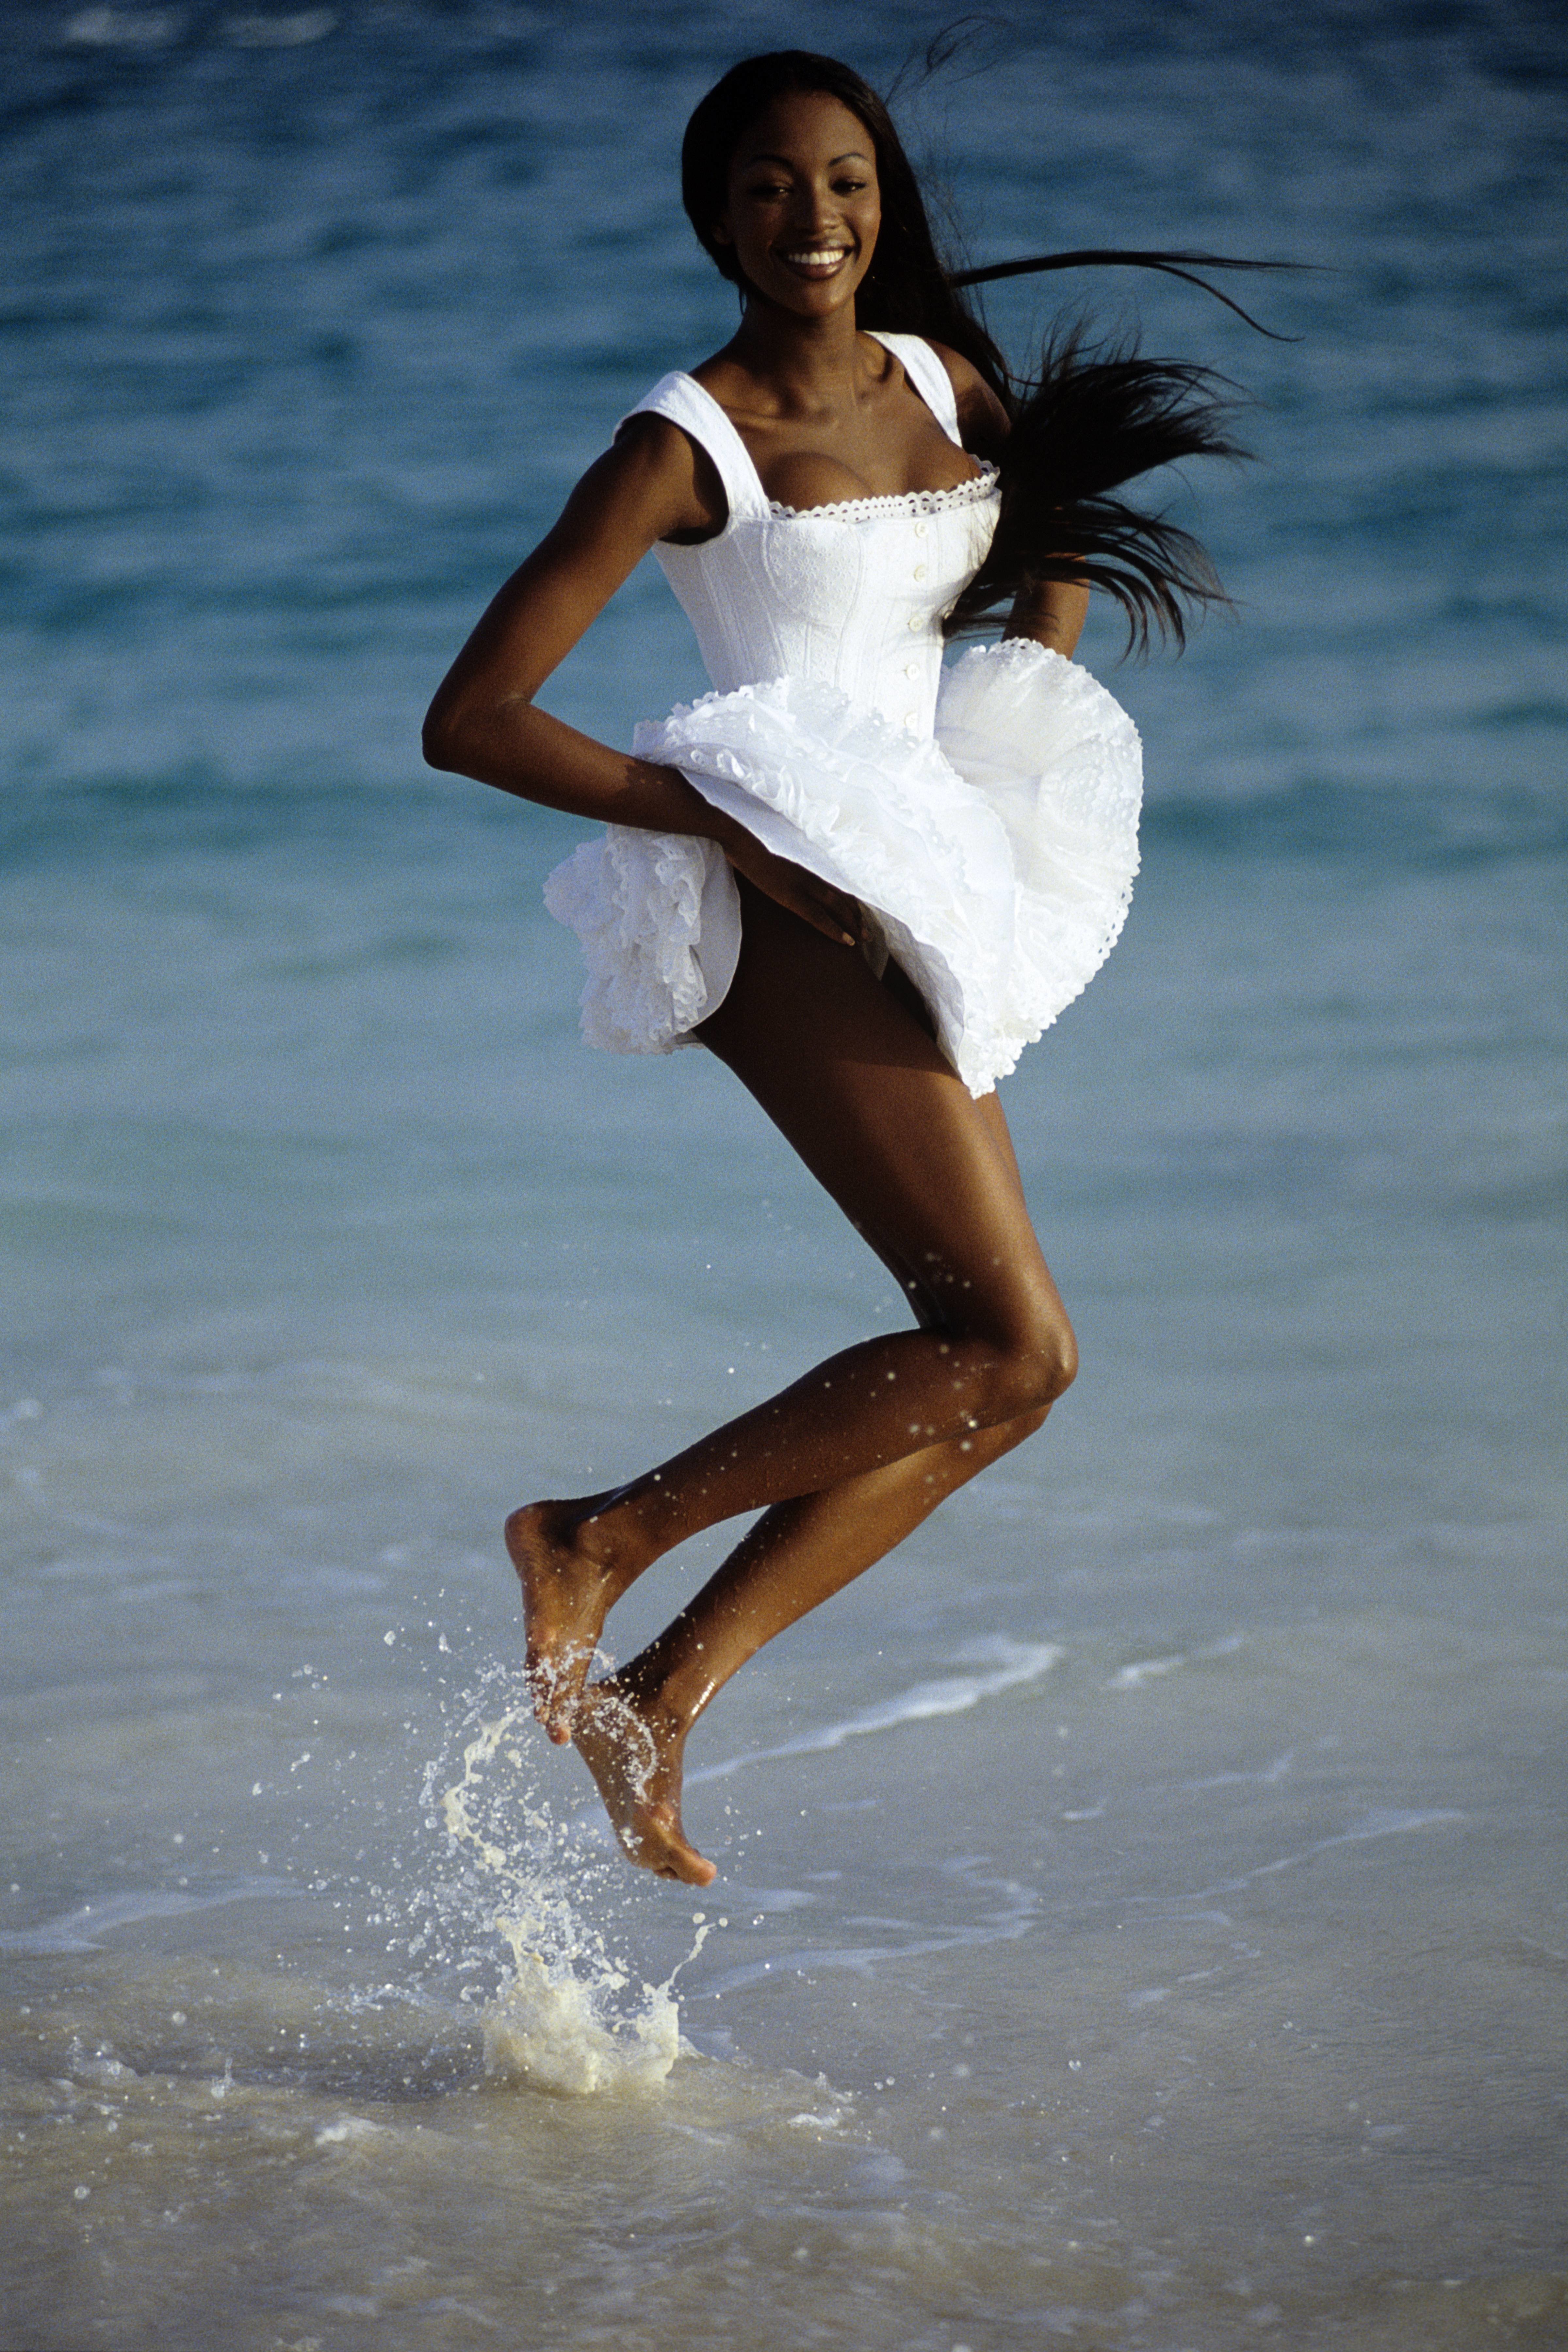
point(817, 258)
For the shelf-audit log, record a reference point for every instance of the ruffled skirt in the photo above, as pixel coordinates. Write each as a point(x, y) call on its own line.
point(997, 859)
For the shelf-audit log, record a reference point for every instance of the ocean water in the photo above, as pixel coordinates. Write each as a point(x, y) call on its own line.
point(1142, 1916)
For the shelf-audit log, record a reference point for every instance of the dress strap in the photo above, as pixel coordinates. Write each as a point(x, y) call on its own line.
point(927, 375)
point(683, 399)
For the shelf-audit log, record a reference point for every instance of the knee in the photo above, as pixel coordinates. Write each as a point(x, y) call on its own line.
point(1066, 1360)
point(1024, 1425)
point(1038, 1366)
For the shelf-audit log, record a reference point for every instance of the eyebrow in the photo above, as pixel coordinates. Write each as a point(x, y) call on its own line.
point(766, 155)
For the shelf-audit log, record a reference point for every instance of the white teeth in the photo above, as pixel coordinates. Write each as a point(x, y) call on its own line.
point(816, 260)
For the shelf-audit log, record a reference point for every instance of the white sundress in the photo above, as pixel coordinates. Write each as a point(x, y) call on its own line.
point(984, 813)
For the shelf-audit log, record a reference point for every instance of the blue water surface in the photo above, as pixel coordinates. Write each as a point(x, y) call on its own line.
point(325, 1241)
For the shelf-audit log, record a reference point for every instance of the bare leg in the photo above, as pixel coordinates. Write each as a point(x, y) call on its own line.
point(859, 1449)
point(567, 1592)
point(854, 1415)
point(928, 1177)
point(631, 1727)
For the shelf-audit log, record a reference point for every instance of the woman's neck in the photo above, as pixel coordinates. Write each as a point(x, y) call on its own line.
point(814, 363)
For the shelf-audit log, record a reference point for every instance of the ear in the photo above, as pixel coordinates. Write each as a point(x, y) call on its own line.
point(720, 231)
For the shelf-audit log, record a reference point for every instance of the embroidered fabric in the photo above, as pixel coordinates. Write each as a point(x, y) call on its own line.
point(997, 856)
point(659, 921)
point(985, 814)
point(920, 502)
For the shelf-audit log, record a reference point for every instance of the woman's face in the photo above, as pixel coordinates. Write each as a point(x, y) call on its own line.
point(803, 207)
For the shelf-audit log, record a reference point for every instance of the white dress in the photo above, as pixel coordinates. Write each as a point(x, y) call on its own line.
point(984, 814)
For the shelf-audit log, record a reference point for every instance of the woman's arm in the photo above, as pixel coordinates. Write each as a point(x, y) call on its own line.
point(653, 484)
point(1054, 613)
point(483, 723)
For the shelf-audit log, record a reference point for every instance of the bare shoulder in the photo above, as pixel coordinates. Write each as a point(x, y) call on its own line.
point(981, 419)
point(744, 398)
point(966, 376)
point(654, 468)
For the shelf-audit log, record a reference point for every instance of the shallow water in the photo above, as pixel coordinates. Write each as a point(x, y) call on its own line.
point(1141, 1917)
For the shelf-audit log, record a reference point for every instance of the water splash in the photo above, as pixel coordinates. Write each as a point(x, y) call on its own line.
point(549, 2026)
point(507, 1906)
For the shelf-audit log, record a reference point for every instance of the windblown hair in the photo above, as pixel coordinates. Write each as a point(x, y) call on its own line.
point(1094, 420)
point(1091, 420)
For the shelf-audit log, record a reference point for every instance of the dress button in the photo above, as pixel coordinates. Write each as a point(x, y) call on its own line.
point(915, 622)
point(920, 571)
point(911, 669)
point(911, 717)
point(919, 530)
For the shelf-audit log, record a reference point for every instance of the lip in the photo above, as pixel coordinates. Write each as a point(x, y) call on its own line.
point(815, 271)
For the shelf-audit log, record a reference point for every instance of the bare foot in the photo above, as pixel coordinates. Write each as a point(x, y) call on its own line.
point(634, 1752)
point(566, 1596)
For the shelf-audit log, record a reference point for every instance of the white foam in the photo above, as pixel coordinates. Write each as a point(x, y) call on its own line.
point(83, 1930)
point(547, 2026)
point(348, 2129)
point(1010, 1917)
point(1267, 1776)
point(1149, 1670)
point(1145, 1670)
point(567, 2016)
point(1015, 1662)
point(285, 32)
point(1383, 1821)
point(130, 28)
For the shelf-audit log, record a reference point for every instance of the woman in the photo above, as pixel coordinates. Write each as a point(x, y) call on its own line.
point(864, 921)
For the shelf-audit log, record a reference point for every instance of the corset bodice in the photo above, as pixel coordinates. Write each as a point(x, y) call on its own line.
point(850, 595)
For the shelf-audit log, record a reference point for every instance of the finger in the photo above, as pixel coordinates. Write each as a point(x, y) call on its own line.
point(788, 888)
point(822, 916)
point(827, 909)
point(833, 913)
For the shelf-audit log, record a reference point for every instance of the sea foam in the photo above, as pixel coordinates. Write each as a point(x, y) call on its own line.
point(507, 1902)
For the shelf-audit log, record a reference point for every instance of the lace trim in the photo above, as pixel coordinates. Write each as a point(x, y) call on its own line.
point(914, 502)
point(999, 916)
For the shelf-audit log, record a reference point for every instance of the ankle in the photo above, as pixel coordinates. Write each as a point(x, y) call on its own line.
point(608, 1534)
point(642, 1686)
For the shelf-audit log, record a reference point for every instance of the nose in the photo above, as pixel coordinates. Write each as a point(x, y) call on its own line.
point(813, 210)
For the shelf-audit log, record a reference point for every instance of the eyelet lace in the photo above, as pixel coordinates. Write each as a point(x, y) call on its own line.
point(913, 502)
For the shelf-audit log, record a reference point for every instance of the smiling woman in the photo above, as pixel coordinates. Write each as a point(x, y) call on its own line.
point(863, 881)
point(810, 207)
point(800, 220)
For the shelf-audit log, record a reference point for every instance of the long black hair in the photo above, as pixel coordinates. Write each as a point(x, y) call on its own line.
point(1085, 422)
